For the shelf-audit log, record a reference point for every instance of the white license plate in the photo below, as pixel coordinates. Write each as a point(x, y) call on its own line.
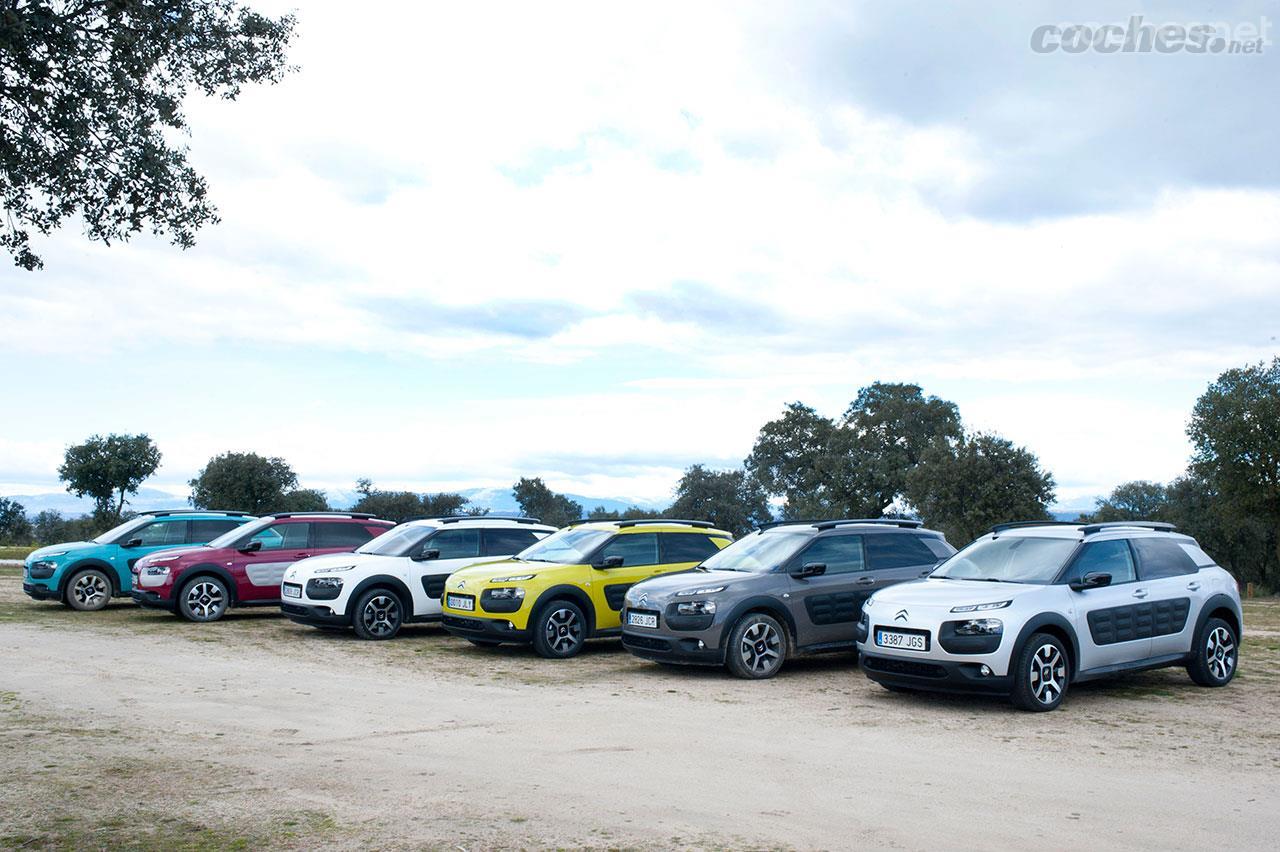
point(642, 619)
point(458, 602)
point(293, 591)
point(905, 641)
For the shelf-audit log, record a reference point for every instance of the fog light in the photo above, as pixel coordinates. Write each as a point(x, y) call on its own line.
point(985, 671)
point(701, 644)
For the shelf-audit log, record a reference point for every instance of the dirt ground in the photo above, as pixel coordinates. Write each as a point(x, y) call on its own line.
point(132, 729)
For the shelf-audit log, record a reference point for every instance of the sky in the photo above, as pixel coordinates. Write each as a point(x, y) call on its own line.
point(598, 243)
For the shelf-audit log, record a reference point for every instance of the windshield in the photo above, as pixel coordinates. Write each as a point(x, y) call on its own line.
point(397, 541)
point(1010, 559)
point(230, 537)
point(569, 547)
point(110, 535)
point(758, 552)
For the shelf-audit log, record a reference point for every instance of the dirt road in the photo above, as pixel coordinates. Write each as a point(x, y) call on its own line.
point(128, 727)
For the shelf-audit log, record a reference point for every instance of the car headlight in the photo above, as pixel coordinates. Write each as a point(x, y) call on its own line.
point(981, 607)
point(519, 578)
point(156, 570)
point(506, 594)
point(697, 607)
point(45, 565)
point(709, 590)
point(326, 583)
point(335, 570)
point(980, 627)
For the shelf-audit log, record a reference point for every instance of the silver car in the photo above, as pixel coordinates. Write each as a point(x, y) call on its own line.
point(788, 588)
point(1031, 608)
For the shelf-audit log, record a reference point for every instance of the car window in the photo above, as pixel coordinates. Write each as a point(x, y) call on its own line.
point(939, 548)
point(203, 531)
point(329, 534)
point(160, 533)
point(1162, 557)
point(456, 544)
point(1105, 557)
point(686, 547)
point(1198, 556)
point(500, 542)
point(634, 548)
point(291, 536)
point(897, 550)
point(840, 553)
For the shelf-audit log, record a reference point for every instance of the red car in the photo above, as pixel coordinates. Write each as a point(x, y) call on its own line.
point(244, 567)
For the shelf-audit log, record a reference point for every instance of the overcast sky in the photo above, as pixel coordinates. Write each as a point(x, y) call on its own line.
point(598, 243)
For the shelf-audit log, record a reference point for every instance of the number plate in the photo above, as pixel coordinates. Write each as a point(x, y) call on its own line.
point(462, 602)
point(904, 641)
point(292, 591)
point(642, 619)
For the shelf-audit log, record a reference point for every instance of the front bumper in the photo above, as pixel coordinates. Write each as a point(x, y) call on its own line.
point(498, 630)
point(314, 616)
point(668, 648)
point(41, 593)
point(151, 600)
point(930, 674)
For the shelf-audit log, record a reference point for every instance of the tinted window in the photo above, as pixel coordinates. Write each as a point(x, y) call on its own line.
point(897, 550)
point(1197, 555)
point(634, 548)
point(341, 535)
point(291, 536)
point(456, 544)
point(686, 547)
point(840, 553)
point(505, 542)
point(937, 546)
point(1105, 557)
point(203, 531)
point(1162, 557)
point(161, 532)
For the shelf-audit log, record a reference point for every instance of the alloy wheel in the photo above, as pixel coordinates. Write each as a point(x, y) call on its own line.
point(381, 615)
point(1048, 674)
point(90, 590)
point(563, 630)
point(205, 600)
point(1220, 653)
point(761, 647)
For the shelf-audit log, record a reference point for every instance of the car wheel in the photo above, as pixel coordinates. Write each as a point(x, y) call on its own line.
point(1214, 654)
point(203, 599)
point(88, 590)
point(757, 647)
point(378, 615)
point(484, 643)
point(560, 630)
point(1041, 674)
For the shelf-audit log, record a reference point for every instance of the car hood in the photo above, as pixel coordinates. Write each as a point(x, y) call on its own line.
point(486, 571)
point(169, 553)
point(312, 564)
point(68, 548)
point(662, 587)
point(940, 591)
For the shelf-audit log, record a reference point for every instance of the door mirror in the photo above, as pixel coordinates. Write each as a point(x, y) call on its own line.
point(133, 542)
point(609, 562)
point(1092, 580)
point(252, 546)
point(810, 569)
point(426, 555)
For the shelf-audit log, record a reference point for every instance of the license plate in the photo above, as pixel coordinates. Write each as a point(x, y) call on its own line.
point(291, 591)
point(642, 619)
point(905, 641)
point(461, 602)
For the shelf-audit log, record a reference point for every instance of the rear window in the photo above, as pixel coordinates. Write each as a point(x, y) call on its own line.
point(898, 550)
point(341, 535)
point(1198, 556)
point(506, 542)
point(1161, 557)
point(686, 547)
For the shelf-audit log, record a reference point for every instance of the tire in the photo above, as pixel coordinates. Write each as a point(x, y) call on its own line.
point(378, 614)
point(88, 590)
point(1041, 674)
point(203, 599)
point(1214, 654)
point(757, 647)
point(484, 643)
point(560, 630)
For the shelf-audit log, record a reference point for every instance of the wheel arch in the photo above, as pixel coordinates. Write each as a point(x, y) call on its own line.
point(760, 603)
point(383, 581)
point(1056, 626)
point(1220, 606)
point(113, 576)
point(565, 592)
point(206, 569)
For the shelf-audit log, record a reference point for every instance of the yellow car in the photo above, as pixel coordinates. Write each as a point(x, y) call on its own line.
point(569, 587)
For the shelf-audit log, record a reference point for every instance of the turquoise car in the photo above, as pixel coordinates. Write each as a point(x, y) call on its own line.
point(85, 575)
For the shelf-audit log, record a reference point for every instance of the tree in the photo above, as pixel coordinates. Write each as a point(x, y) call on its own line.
point(444, 504)
point(729, 499)
point(983, 480)
point(1140, 500)
point(400, 506)
point(108, 470)
point(538, 501)
point(304, 500)
point(91, 99)
point(14, 526)
point(244, 481)
point(600, 513)
point(789, 460)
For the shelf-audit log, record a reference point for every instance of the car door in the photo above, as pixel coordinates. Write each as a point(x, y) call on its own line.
point(639, 555)
point(1109, 620)
point(259, 573)
point(1175, 593)
point(826, 606)
point(448, 550)
point(157, 535)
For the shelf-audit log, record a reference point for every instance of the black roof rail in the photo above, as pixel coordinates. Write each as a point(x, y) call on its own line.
point(905, 523)
point(162, 513)
point(635, 522)
point(1014, 525)
point(359, 516)
point(1158, 526)
point(453, 519)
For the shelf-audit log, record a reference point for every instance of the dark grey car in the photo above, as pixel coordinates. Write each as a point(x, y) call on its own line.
point(790, 588)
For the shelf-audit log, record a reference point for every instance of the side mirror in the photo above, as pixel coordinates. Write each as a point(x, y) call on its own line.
point(811, 569)
point(252, 546)
point(426, 555)
point(610, 562)
point(133, 542)
point(1092, 580)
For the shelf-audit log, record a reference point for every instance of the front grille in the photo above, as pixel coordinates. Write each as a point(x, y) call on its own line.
point(648, 643)
point(462, 623)
point(294, 609)
point(893, 665)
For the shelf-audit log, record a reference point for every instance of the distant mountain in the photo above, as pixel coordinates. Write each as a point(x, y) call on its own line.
point(501, 501)
point(70, 505)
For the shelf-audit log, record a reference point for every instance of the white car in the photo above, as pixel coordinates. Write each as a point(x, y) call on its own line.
point(1031, 608)
point(398, 577)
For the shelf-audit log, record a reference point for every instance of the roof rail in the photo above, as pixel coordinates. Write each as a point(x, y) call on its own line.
point(359, 516)
point(1158, 526)
point(1014, 525)
point(827, 523)
point(162, 513)
point(453, 519)
point(635, 522)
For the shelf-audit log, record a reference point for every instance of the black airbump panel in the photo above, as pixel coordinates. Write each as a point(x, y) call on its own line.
point(832, 609)
point(1138, 621)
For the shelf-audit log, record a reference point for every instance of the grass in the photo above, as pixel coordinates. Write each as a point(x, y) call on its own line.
point(15, 551)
